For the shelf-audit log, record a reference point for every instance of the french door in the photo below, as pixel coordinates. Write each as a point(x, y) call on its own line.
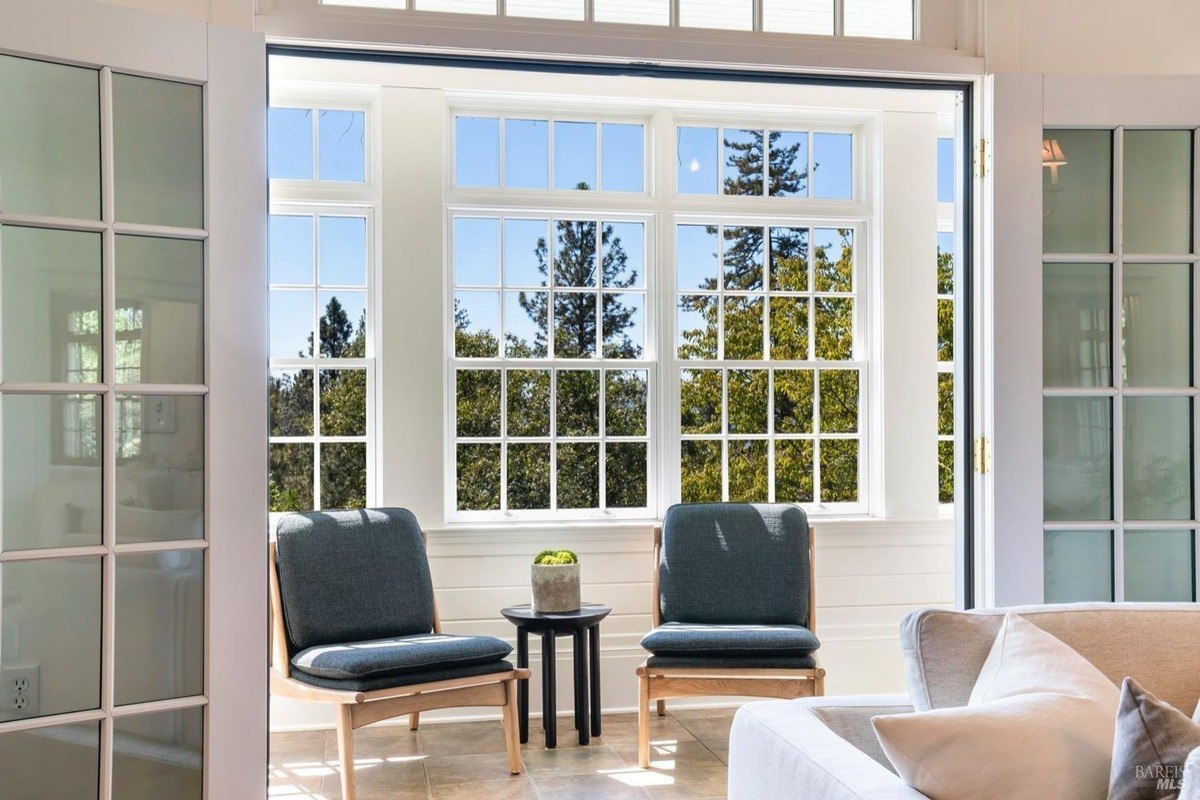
point(132, 352)
point(1099, 488)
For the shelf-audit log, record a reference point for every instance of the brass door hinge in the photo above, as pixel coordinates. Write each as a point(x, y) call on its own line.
point(981, 154)
point(983, 455)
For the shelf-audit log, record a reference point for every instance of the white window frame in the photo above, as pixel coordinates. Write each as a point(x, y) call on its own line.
point(948, 216)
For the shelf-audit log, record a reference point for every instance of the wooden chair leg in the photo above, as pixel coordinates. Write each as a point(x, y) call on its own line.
point(414, 720)
point(345, 736)
point(819, 689)
point(512, 731)
point(662, 708)
point(644, 721)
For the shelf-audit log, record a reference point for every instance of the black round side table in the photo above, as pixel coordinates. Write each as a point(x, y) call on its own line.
point(584, 627)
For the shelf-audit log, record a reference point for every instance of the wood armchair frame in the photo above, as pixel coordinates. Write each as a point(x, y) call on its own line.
point(662, 683)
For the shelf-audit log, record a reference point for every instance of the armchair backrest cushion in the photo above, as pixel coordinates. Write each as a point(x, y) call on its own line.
point(352, 576)
point(734, 563)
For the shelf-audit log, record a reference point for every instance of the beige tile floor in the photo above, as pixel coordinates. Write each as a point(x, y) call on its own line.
point(455, 761)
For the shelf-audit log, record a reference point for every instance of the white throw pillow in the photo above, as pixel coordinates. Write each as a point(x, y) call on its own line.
point(1039, 724)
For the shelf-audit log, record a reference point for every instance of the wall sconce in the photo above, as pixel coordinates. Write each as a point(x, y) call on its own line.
point(1052, 157)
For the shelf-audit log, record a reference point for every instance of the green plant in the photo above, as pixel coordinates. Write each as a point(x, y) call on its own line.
point(556, 557)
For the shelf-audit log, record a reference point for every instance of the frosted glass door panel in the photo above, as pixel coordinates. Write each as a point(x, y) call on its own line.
point(1156, 325)
point(159, 756)
point(50, 615)
point(1077, 196)
point(1159, 565)
point(158, 142)
point(50, 282)
point(1078, 566)
point(160, 479)
point(1077, 458)
point(52, 763)
point(1158, 192)
point(49, 139)
point(1076, 325)
point(1158, 458)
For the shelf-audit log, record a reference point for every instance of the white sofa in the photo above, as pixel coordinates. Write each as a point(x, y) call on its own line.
point(825, 748)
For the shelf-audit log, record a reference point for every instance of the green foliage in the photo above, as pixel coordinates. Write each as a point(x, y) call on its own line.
point(555, 558)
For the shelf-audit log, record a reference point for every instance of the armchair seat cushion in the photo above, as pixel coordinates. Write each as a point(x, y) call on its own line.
point(731, 662)
point(691, 640)
point(376, 682)
point(401, 655)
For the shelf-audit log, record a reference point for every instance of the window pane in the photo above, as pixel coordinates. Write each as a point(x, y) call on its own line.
point(343, 324)
point(342, 138)
point(833, 166)
point(159, 626)
point(1076, 191)
point(798, 16)
point(945, 390)
point(833, 259)
point(789, 328)
point(477, 151)
point(945, 170)
point(945, 262)
point(158, 146)
point(839, 470)
point(625, 474)
point(794, 401)
point(637, 12)
point(55, 604)
point(1076, 329)
point(52, 763)
point(290, 143)
point(700, 392)
point(50, 285)
point(49, 138)
point(290, 486)
point(700, 471)
point(529, 402)
point(624, 325)
point(51, 455)
point(162, 477)
point(344, 475)
point(526, 153)
point(945, 472)
point(945, 330)
point(528, 476)
point(166, 758)
point(525, 252)
point(623, 246)
point(343, 251)
point(477, 251)
point(1159, 566)
point(526, 316)
point(578, 400)
point(789, 259)
point(883, 19)
point(839, 401)
point(697, 326)
point(1158, 192)
point(788, 169)
point(545, 9)
point(749, 474)
point(574, 155)
point(743, 258)
point(291, 323)
point(579, 475)
point(478, 477)
point(697, 153)
point(793, 471)
point(625, 400)
point(574, 253)
point(1077, 458)
point(1156, 325)
point(1158, 458)
point(458, 6)
point(733, 15)
point(291, 249)
point(742, 158)
point(743, 328)
point(478, 402)
point(834, 328)
point(291, 402)
point(343, 402)
point(165, 279)
point(747, 390)
point(621, 159)
point(476, 324)
point(574, 324)
point(1078, 566)
point(696, 254)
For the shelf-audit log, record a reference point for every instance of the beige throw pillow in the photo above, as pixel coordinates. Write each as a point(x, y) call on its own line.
point(1039, 724)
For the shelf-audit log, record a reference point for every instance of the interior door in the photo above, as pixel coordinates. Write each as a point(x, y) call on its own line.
point(132, 354)
point(1095, 401)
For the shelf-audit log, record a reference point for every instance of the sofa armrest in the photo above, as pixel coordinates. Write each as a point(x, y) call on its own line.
point(784, 749)
point(850, 718)
point(1191, 777)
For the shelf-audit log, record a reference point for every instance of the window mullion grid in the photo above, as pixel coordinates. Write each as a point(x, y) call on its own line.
point(1116, 368)
point(839, 19)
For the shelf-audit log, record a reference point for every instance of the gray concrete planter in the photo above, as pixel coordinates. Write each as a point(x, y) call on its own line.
point(555, 588)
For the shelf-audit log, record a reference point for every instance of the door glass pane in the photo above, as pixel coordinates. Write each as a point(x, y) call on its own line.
point(160, 469)
point(49, 139)
point(159, 626)
point(1076, 327)
point(1156, 325)
point(1158, 458)
point(51, 285)
point(158, 141)
point(52, 763)
point(1077, 458)
point(50, 616)
point(51, 479)
point(159, 755)
point(1158, 192)
point(1158, 566)
point(1076, 191)
point(1078, 566)
point(163, 280)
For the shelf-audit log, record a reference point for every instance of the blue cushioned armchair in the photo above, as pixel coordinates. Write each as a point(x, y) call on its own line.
point(354, 623)
point(734, 608)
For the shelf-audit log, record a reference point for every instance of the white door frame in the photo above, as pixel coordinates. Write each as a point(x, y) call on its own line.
point(231, 64)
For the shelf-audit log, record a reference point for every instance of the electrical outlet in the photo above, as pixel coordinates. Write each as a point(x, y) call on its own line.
point(20, 689)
